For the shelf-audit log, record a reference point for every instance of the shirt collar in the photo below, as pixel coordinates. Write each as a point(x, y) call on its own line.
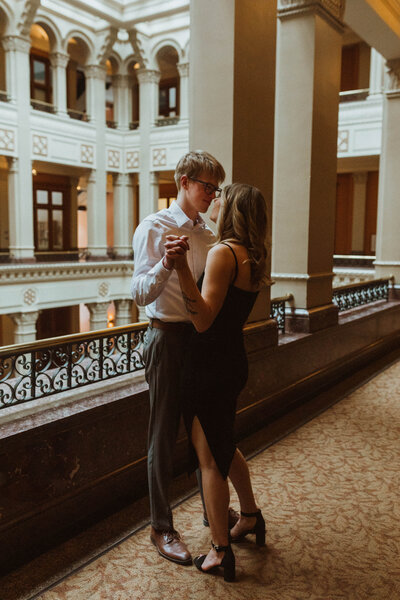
point(181, 217)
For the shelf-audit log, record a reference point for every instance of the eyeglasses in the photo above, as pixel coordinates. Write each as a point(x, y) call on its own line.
point(209, 188)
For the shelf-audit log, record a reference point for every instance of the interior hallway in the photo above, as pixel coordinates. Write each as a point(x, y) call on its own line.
point(330, 496)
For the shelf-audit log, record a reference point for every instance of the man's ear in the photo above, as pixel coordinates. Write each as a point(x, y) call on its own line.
point(184, 182)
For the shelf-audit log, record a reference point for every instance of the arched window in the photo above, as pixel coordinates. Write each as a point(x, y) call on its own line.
point(168, 99)
point(76, 80)
point(40, 70)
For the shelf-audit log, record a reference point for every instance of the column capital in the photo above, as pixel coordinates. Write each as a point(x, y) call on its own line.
point(121, 81)
point(92, 176)
point(59, 59)
point(12, 164)
point(16, 42)
point(331, 10)
point(392, 79)
point(95, 72)
point(25, 319)
point(183, 69)
point(121, 179)
point(148, 76)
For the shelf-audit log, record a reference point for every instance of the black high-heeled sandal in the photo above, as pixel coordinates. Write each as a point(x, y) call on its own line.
point(227, 563)
point(258, 529)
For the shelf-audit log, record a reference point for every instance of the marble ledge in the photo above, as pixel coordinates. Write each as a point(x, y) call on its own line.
point(35, 413)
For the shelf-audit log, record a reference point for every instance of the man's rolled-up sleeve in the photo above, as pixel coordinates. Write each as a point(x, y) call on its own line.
point(149, 276)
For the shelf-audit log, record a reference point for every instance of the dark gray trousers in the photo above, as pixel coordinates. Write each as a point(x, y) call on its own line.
point(163, 354)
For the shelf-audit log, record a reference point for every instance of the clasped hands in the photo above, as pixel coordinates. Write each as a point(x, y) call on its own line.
point(176, 248)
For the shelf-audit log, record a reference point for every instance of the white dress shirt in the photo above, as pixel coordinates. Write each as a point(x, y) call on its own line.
point(152, 284)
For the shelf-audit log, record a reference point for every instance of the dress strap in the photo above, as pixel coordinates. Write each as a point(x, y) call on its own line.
point(236, 262)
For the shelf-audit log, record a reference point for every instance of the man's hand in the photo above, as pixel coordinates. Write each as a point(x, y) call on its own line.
point(175, 251)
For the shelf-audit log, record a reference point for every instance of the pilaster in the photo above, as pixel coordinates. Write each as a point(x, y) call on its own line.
point(97, 214)
point(59, 62)
point(122, 100)
point(123, 215)
point(387, 236)
point(183, 69)
point(123, 310)
point(98, 315)
point(20, 209)
point(25, 326)
point(308, 76)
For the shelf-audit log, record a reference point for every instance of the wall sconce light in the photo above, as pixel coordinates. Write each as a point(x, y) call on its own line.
point(34, 172)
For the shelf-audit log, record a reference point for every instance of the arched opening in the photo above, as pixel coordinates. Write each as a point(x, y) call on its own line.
point(40, 70)
point(111, 70)
point(76, 80)
point(168, 97)
point(134, 115)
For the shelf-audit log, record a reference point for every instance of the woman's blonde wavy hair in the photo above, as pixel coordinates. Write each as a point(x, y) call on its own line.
point(243, 219)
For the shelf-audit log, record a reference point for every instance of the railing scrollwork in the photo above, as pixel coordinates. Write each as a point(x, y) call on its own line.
point(357, 294)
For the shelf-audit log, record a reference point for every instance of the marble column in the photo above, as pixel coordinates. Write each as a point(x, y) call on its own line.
point(359, 204)
point(59, 62)
point(20, 172)
point(98, 315)
point(25, 326)
point(97, 182)
point(387, 235)
point(96, 216)
point(376, 73)
point(148, 111)
point(232, 99)
point(183, 69)
point(307, 93)
point(123, 215)
point(122, 100)
point(123, 310)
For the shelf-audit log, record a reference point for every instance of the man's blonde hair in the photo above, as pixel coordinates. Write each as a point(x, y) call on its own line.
point(195, 163)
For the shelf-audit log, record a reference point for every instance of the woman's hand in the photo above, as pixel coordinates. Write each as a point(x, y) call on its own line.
point(176, 248)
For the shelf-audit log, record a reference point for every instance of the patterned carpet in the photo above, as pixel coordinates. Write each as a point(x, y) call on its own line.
point(331, 500)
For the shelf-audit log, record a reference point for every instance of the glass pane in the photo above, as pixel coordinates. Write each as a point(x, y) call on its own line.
point(57, 198)
point(42, 197)
point(57, 230)
point(43, 229)
point(163, 101)
point(39, 71)
point(172, 97)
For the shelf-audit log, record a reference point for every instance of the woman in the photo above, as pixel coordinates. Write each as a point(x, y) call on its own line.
point(216, 367)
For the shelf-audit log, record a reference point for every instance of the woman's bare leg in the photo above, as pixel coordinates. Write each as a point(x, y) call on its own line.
point(216, 494)
point(240, 477)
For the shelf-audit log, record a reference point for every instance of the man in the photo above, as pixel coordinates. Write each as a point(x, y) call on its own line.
point(155, 285)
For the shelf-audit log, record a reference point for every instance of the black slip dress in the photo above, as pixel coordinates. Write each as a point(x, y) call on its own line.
point(215, 370)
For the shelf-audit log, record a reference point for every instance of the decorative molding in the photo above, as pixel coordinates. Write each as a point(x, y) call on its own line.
point(392, 79)
point(113, 159)
point(330, 10)
point(30, 296)
point(25, 318)
point(103, 289)
point(39, 145)
point(159, 157)
point(59, 60)
point(148, 76)
point(343, 140)
point(15, 42)
point(87, 154)
point(7, 140)
point(132, 159)
point(27, 11)
point(183, 69)
point(23, 273)
point(95, 72)
point(106, 41)
point(302, 276)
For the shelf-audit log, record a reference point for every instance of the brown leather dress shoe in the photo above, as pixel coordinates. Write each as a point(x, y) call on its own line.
point(170, 546)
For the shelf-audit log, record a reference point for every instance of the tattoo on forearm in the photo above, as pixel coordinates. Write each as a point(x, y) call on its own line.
point(189, 302)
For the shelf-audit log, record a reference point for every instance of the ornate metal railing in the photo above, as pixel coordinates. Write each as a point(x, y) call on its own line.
point(112, 124)
point(358, 294)
point(45, 367)
point(134, 125)
point(278, 310)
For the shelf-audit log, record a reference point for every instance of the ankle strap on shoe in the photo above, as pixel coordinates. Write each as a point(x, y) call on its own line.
point(219, 548)
point(252, 514)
